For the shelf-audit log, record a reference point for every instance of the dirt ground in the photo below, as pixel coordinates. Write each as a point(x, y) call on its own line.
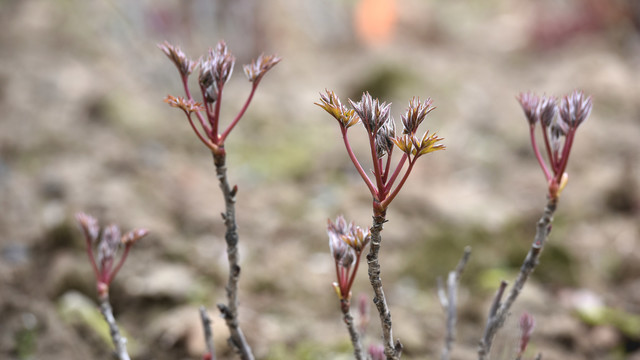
point(84, 128)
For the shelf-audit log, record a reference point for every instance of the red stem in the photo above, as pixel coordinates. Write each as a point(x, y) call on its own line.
point(546, 144)
point(207, 109)
point(536, 151)
point(396, 173)
point(216, 117)
point(395, 192)
point(342, 280)
point(120, 263)
point(92, 259)
point(387, 167)
point(207, 142)
point(240, 114)
point(355, 162)
point(376, 166)
point(105, 269)
point(185, 84)
point(568, 142)
point(355, 269)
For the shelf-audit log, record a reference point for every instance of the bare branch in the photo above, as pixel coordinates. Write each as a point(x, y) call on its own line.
point(449, 301)
point(500, 310)
point(230, 310)
point(391, 350)
point(119, 341)
point(208, 333)
point(353, 333)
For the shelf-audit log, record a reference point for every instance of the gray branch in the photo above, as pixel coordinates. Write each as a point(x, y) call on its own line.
point(119, 342)
point(353, 333)
point(392, 350)
point(208, 333)
point(229, 311)
point(500, 310)
point(449, 300)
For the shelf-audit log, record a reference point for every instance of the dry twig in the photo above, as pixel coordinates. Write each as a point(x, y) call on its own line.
point(119, 341)
point(230, 310)
point(208, 333)
point(391, 350)
point(500, 310)
point(449, 300)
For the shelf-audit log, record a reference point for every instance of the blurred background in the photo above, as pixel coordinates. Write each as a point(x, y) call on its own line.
point(84, 128)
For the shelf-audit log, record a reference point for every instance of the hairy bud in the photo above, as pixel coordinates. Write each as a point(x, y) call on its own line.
point(529, 103)
point(546, 110)
point(415, 114)
point(372, 113)
point(184, 64)
point(575, 108)
point(256, 70)
point(384, 136)
point(216, 70)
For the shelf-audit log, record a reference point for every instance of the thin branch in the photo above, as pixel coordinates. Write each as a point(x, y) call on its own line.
point(215, 120)
point(536, 152)
point(204, 140)
point(230, 310)
point(545, 136)
point(500, 310)
point(392, 351)
point(119, 342)
point(377, 172)
point(185, 85)
point(568, 142)
point(92, 259)
point(387, 167)
point(449, 301)
point(357, 165)
point(396, 172)
point(208, 333)
point(240, 114)
point(395, 191)
point(354, 272)
point(353, 333)
point(113, 273)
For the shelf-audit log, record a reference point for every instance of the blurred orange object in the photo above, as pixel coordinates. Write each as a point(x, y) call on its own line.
point(375, 21)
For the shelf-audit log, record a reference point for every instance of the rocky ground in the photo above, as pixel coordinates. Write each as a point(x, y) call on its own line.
point(84, 129)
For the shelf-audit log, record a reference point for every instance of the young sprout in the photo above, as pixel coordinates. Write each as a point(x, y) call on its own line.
point(559, 125)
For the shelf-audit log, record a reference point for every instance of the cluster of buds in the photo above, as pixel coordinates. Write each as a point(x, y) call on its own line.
point(106, 244)
point(347, 243)
point(559, 125)
point(215, 70)
point(381, 131)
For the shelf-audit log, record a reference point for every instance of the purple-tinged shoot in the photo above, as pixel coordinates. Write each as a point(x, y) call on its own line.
point(347, 243)
point(559, 125)
point(107, 246)
point(256, 70)
point(527, 323)
point(183, 63)
point(215, 71)
point(381, 131)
